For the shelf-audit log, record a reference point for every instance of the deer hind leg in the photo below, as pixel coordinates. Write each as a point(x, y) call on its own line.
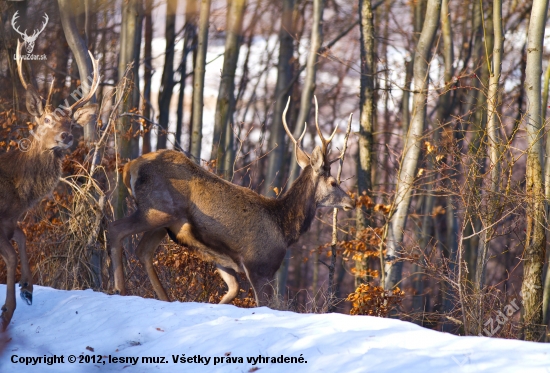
point(146, 252)
point(230, 277)
point(10, 258)
point(122, 228)
point(26, 283)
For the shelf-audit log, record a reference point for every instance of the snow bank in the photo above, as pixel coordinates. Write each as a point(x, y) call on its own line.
point(131, 334)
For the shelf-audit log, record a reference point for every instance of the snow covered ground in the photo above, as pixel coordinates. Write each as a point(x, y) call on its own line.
point(229, 339)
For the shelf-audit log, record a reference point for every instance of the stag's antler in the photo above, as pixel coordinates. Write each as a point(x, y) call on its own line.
point(19, 63)
point(93, 88)
point(296, 142)
point(324, 141)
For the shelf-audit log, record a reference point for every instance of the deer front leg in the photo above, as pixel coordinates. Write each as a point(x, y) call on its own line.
point(26, 283)
point(10, 258)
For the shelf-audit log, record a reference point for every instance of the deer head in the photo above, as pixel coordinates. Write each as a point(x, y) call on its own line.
point(29, 40)
point(328, 192)
point(53, 130)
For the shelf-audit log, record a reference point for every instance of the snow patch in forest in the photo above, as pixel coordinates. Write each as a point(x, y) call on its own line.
point(95, 324)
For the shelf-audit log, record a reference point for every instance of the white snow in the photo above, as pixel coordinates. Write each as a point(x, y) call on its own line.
point(67, 322)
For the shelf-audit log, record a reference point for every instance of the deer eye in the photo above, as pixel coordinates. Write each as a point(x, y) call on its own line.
point(47, 120)
point(333, 183)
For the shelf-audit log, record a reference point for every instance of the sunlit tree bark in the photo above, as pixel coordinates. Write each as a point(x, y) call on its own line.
point(535, 241)
point(411, 149)
point(198, 81)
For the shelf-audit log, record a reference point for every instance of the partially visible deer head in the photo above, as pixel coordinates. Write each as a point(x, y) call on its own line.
point(29, 40)
point(328, 192)
point(28, 176)
point(54, 129)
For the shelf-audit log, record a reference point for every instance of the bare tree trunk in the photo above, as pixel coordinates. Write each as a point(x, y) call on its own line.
point(130, 40)
point(222, 142)
point(471, 245)
point(546, 295)
point(189, 45)
point(493, 125)
point(405, 111)
point(67, 10)
point(167, 82)
point(411, 149)
point(366, 120)
point(276, 140)
point(443, 111)
point(534, 254)
point(148, 71)
point(309, 83)
point(198, 80)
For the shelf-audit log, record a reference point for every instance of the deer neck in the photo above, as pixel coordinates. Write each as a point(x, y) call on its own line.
point(297, 206)
point(38, 172)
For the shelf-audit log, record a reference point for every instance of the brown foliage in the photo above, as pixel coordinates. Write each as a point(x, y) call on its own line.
point(374, 300)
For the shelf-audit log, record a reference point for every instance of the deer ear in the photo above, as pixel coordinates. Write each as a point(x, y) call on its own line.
point(34, 102)
point(301, 158)
point(316, 159)
point(85, 114)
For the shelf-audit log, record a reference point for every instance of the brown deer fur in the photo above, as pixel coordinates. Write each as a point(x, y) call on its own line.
point(27, 175)
point(238, 229)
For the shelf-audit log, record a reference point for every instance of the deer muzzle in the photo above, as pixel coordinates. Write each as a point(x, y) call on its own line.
point(65, 140)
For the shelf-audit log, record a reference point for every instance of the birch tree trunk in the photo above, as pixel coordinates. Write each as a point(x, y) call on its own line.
point(366, 120)
point(167, 81)
point(222, 144)
point(535, 242)
point(309, 83)
point(198, 81)
point(411, 149)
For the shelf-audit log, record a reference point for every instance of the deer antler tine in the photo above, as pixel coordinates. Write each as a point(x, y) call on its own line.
point(332, 136)
point(348, 129)
point(285, 124)
point(93, 87)
point(297, 150)
point(50, 93)
point(19, 64)
point(323, 139)
point(317, 121)
point(303, 133)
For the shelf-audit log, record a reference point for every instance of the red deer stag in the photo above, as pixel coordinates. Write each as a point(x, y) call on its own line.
point(30, 173)
point(236, 228)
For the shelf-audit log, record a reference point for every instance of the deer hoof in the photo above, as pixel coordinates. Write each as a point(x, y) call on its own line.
point(26, 296)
